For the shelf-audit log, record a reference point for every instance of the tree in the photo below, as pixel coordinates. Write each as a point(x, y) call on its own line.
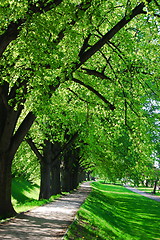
point(53, 148)
point(12, 98)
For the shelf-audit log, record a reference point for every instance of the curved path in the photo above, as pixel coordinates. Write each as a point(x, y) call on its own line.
point(46, 222)
point(149, 195)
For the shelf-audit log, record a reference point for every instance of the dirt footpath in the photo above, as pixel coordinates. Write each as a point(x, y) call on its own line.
point(47, 222)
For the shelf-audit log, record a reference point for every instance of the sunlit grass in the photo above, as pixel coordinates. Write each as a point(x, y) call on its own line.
point(113, 212)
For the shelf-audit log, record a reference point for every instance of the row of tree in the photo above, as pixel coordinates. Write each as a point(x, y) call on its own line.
point(77, 70)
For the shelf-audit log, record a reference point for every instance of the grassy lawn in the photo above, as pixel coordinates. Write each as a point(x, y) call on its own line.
point(25, 195)
point(113, 212)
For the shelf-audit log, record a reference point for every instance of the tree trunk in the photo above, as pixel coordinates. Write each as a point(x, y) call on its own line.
point(55, 171)
point(74, 180)
point(70, 169)
point(46, 163)
point(6, 207)
point(75, 171)
point(88, 176)
point(147, 183)
point(45, 190)
point(66, 183)
point(155, 186)
point(82, 176)
point(55, 182)
point(10, 141)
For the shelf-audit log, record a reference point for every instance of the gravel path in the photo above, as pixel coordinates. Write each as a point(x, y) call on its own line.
point(46, 222)
point(149, 195)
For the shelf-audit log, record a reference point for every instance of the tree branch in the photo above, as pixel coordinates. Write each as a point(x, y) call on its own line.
point(112, 45)
point(111, 106)
point(85, 45)
point(40, 6)
point(10, 34)
point(4, 94)
point(132, 109)
point(77, 95)
point(97, 74)
point(21, 132)
point(110, 34)
point(34, 148)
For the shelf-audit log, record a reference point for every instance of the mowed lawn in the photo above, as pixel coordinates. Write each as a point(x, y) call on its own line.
point(113, 212)
point(25, 195)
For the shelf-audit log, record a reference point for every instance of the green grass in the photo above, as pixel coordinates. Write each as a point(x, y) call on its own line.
point(113, 212)
point(25, 195)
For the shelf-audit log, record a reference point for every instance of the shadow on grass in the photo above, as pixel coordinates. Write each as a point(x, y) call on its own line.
point(19, 187)
point(79, 231)
point(117, 213)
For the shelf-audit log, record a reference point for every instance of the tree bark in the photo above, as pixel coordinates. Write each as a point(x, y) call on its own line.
point(6, 207)
point(147, 183)
point(70, 170)
point(66, 183)
point(9, 143)
point(81, 176)
point(45, 186)
point(45, 190)
point(55, 179)
point(55, 171)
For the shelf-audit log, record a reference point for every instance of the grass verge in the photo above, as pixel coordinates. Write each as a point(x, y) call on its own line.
point(113, 212)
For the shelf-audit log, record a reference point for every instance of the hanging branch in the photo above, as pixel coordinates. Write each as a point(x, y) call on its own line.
point(97, 74)
point(78, 96)
point(108, 62)
point(113, 46)
point(135, 112)
point(125, 111)
point(111, 106)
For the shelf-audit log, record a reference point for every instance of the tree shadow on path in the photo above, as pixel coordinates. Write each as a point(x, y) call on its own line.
point(30, 227)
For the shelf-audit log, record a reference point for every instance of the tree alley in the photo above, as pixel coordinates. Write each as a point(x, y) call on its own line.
point(45, 44)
